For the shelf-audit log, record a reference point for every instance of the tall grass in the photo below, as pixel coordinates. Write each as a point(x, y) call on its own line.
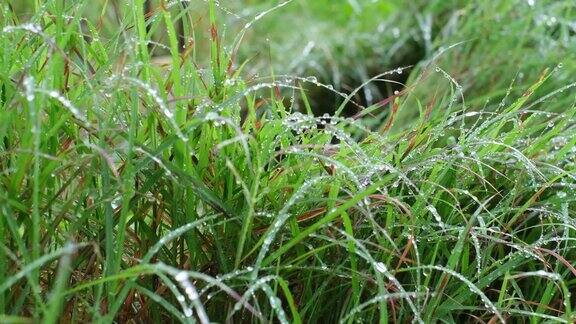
point(196, 192)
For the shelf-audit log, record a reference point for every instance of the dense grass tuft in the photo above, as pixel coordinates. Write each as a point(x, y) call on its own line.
point(196, 191)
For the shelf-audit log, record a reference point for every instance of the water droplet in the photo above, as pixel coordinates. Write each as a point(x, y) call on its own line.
point(381, 267)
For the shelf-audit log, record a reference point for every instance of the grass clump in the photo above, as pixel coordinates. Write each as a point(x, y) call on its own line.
point(191, 193)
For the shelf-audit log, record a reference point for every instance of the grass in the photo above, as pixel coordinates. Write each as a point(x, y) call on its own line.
point(343, 46)
point(196, 191)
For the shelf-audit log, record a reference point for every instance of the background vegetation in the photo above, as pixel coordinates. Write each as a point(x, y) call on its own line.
point(299, 161)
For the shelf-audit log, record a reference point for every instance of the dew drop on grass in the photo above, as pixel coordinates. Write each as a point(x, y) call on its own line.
point(312, 79)
point(230, 82)
point(29, 88)
point(436, 215)
point(381, 267)
point(188, 312)
point(150, 197)
point(264, 13)
point(181, 276)
point(478, 249)
point(67, 104)
point(33, 28)
point(153, 93)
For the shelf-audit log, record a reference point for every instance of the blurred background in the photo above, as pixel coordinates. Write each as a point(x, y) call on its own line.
point(345, 43)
